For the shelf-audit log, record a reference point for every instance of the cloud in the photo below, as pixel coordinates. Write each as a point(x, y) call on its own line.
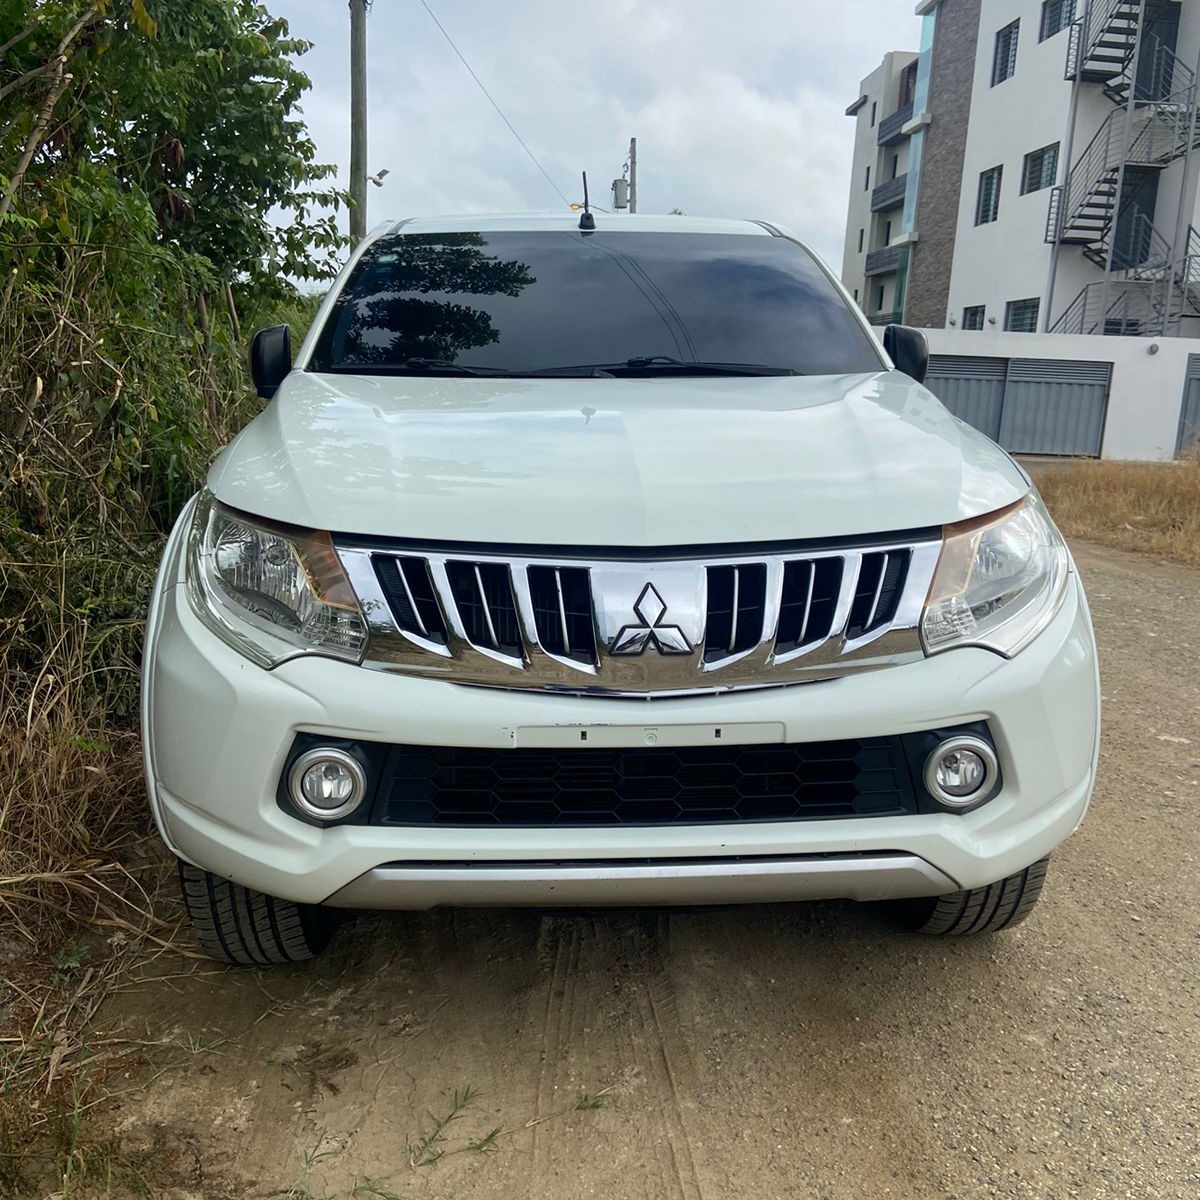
point(738, 108)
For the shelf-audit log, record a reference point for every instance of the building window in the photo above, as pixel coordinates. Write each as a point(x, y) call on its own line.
point(1021, 316)
point(873, 105)
point(895, 165)
point(867, 181)
point(1056, 16)
point(973, 317)
point(887, 233)
point(987, 204)
point(879, 298)
point(856, 295)
point(908, 85)
point(1004, 61)
point(861, 233)
point(1040, 169)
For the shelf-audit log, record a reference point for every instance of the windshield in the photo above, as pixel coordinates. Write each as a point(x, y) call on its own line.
point(562, 300)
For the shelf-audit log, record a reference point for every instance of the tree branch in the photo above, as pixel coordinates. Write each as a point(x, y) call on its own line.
point(38, 132)
point(19, 38)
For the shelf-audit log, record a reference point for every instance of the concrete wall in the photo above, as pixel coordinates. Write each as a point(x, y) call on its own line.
point(1146, 397)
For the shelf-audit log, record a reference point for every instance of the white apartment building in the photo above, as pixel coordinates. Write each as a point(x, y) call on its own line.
point(1051, 156)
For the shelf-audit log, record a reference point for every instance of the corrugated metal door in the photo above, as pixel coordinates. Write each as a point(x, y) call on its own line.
point(1189, 417)
point(1054, 406)
point(971, 388)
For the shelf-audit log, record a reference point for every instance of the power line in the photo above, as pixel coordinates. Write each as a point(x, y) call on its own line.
point(532, 156)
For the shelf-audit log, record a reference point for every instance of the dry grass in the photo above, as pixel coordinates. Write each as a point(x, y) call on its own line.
point(1152, 508)
point(79, 870)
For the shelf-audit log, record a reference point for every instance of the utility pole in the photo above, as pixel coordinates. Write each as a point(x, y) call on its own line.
point(633, 175)
point(358, 119)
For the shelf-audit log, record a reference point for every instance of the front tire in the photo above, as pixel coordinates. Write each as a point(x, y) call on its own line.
point(236, 925)
point(978, 910)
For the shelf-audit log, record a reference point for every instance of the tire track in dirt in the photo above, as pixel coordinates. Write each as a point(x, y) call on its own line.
point(670, 1052)
point(607, 1008)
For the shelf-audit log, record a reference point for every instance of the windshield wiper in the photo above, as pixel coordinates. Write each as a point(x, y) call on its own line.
point(415, 366)
point(664, 363)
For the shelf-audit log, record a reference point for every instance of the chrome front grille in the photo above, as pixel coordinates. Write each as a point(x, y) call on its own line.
point(632, 627)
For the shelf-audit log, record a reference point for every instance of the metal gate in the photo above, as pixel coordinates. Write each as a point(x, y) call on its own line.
point(1189, 416)
point(971, 388)
point(1028, 405)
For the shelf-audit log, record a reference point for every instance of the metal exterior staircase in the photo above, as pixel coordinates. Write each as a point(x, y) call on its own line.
point(1148, 289)
point(1150, 300)
point(1101, 44)
point(1083, 209)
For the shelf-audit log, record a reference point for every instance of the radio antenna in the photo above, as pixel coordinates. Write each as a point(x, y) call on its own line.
point(586, 220)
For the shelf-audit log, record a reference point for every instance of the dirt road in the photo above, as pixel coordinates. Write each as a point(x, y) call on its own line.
point(788, 1051)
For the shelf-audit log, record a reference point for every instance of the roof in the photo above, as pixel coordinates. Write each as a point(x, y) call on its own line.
point(640, 223)
point(856, 105)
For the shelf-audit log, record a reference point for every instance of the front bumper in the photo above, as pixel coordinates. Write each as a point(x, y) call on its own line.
point(217, 730)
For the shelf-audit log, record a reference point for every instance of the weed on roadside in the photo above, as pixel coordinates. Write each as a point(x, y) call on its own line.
point(430, 1147)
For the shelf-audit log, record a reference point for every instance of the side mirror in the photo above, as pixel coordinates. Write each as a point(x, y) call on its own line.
point(270, 359)
point(908, 349)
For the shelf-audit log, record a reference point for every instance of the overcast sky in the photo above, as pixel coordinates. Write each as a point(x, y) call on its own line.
point(738, 107)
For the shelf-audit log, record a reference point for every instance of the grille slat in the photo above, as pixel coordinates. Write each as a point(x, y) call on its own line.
point(484, 598)
point(880, 584)
point(809, 602)
point(736, 609)
point(432, 785)
point(562, 610)
point(408, 590)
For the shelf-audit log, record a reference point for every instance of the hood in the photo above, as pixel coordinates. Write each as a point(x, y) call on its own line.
point(612, 462)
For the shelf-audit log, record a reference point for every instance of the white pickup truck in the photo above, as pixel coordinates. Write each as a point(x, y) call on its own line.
point(608, 566)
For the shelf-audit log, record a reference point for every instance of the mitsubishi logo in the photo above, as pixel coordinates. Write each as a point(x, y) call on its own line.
point(650, 610)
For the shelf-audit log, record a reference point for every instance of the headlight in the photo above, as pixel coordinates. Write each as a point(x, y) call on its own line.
point(269, 592)
point(999, 581)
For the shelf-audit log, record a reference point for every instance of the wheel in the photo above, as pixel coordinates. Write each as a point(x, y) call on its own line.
point(979, 910)
point(236, 925)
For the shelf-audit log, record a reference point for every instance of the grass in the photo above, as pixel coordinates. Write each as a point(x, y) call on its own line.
point(1151, 508)
point(430, 1147)
point(79, 870)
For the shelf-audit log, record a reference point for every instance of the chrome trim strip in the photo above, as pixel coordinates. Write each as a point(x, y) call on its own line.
point(851, 877)
point(878, 592)
point(412, 601)
point(812, 582)
point(562, 611)
point(487, 608)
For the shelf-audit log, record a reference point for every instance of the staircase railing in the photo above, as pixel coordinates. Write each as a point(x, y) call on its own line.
point(1087, 31)
point(1161, 75)
point(1140, 248)
point(1131, 312)
point(1161, 135)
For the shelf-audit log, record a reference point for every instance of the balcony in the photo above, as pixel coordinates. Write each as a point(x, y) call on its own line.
point(889, 195)
point(889, 127)
point(883, 262)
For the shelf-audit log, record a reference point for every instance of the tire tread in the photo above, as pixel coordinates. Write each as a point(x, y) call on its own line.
point(237, 925)
point(987, 909)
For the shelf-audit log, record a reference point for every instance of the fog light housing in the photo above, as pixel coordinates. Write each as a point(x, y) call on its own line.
point(327, 784)
point(961, 771)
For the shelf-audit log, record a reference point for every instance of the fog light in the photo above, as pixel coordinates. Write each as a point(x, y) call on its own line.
point(961, 771)
point(327, 784)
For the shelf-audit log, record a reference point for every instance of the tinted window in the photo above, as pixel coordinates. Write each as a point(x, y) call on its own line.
point(536, 301)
